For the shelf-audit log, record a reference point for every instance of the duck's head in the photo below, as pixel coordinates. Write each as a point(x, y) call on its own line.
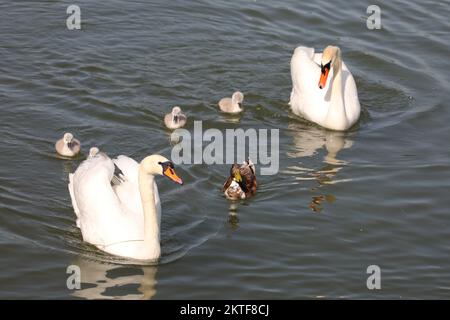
point(236, 174)
point(330, 58)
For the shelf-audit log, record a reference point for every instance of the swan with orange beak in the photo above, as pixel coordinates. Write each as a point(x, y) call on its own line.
point(332, 102)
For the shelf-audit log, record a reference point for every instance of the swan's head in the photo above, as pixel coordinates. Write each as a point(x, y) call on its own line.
point(156, 164)
point(68, 137)
point(237, 97)
point(330, 56)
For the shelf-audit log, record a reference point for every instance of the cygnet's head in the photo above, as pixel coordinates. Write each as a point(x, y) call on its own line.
point(93, 152)
point(68, 137)
point(176, 110)
point(238, 97)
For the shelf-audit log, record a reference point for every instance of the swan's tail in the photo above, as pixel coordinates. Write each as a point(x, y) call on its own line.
point(72, 197)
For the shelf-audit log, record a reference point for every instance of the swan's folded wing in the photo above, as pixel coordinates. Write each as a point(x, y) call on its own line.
point(352, 105)
point(102, 216)
point(128, 166)
point(128, 191)
point(72, 197)
point(304, 70)
point(306, 51)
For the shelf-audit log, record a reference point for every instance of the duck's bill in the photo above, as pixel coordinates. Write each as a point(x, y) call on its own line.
point(237, 176)
point(323, 78)
point(171, 174)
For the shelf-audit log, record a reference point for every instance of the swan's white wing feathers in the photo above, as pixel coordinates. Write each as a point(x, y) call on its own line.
point(102, 217)
point(72, 198)
point(352, 106)
point(305, 73)
point(129, 167)
point(128, 191)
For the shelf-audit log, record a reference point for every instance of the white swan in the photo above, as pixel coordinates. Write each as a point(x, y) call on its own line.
point(68, 146)
point(332, 104)
point(233, 104)
point(117, 203)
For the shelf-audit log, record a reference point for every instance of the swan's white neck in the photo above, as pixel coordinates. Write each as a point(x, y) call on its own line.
point(336, 116)
point(151, 227)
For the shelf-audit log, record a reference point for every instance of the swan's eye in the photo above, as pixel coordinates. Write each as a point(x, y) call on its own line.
point(323, 68)
point(167, 164)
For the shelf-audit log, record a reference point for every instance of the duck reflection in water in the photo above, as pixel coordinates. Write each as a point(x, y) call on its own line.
point(233, 218)
point(309, 140)
point(102, 280)
point(230, 118)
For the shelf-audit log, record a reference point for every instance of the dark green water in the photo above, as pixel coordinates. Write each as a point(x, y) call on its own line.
point(377, 195)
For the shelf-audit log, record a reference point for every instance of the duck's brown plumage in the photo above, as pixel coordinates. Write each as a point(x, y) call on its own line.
point(247, 187)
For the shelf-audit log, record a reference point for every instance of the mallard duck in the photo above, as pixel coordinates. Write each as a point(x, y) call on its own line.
point(68, 146)
point(233, 104)
point(176, 119)
point(241, 184)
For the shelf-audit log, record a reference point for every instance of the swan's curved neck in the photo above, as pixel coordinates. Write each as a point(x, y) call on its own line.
point(151, 227)
point(336, 113)
point(235, 104)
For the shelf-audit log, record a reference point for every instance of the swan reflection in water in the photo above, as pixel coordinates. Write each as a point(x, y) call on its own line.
point(102, 280)
point(230, 118)
point(308, 140)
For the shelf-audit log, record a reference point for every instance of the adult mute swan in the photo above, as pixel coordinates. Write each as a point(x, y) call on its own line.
point(67, 146)
point(117, 203)
point(332, 104)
